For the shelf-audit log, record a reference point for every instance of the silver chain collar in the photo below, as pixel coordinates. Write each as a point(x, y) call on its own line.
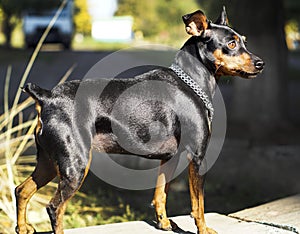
point(196, 88)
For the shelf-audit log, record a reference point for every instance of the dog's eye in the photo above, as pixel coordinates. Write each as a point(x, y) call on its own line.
point(231, 45)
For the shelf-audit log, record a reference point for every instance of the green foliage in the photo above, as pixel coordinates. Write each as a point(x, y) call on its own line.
point(15, 7)
point(292, 26)
point(292, 33)
point(82, 18)
point(153, 17)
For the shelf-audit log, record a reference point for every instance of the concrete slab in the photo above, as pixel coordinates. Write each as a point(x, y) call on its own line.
point(221, 223)
point(283, 213)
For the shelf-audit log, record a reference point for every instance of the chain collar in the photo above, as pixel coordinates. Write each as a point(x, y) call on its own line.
point(196, 88)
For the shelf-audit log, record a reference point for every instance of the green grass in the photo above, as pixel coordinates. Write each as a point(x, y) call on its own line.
point(88, 43)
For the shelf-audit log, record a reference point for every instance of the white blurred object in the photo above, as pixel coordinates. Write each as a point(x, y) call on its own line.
point(118, 29)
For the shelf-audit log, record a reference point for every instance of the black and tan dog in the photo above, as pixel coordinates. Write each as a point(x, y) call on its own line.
point(69, 127)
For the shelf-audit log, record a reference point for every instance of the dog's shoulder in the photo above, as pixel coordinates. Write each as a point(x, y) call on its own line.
point(162, 74)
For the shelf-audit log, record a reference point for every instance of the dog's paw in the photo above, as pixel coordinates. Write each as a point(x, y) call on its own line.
point(207, 230)
point(167, 225)
point(25, 229)
point(210, 231)
point(164, 224)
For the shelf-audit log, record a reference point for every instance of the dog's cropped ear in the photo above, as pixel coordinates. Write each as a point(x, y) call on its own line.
point(222, 20)
point(195, 23)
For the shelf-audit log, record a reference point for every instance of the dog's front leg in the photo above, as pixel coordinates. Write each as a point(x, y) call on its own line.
point(159, 201)
point(196, 183)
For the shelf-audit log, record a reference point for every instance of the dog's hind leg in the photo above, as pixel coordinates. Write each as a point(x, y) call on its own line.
point(166, 172)
point(196, 183)
point(71, 178)
point(44, 172)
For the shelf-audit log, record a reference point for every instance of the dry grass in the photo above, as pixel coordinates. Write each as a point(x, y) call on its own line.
point(16, 136)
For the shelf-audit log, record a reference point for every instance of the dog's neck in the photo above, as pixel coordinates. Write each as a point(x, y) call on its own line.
point(189, 60)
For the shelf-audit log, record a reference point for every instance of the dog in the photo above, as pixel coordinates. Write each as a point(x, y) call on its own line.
point(68, 127)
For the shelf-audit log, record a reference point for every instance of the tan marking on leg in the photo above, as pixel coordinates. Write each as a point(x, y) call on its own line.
point(39, 121)
point(196, 182)
point(160, 200)
point(60, 214)
point(23, 194)
point(87, 167)
point(43, 173)
point(194, 196)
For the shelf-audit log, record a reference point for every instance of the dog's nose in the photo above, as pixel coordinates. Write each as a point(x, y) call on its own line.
point(259, 64)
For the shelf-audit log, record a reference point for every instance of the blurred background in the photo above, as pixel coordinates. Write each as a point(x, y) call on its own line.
point(260, 159)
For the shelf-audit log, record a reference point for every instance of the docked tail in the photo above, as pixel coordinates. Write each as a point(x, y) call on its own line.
point(38, 94)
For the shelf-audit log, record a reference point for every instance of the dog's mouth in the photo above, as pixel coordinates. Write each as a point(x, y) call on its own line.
point(248, 75)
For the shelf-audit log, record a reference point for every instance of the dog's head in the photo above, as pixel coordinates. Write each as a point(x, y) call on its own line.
point(221, 46)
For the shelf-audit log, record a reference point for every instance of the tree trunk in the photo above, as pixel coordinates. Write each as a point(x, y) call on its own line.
point(264, 99)
point(7, 29)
